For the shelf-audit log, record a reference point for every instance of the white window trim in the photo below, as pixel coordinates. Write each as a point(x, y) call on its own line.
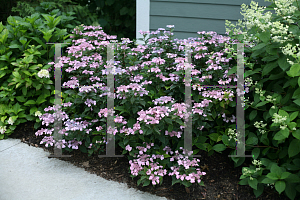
point(142, 19)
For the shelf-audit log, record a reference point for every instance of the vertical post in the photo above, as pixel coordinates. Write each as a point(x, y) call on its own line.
point(110, 145)
point(58, 104)
point(188, 102)
point(240, 112)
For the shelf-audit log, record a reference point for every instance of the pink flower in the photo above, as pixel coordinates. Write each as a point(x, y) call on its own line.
point(128, 148)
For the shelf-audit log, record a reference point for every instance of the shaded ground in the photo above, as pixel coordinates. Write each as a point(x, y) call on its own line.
point(221, 179)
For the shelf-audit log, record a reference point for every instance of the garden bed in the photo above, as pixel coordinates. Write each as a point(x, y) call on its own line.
point(221, 179)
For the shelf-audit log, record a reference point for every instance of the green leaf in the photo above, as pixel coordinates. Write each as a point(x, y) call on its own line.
point(272, 111)
point(3, 36)
point(232, 70)
point(213, 136)
point(293, 178)
point(296, 134)
point(259, 46)
point(148, 132)
point(283, 113)
point(21, 98)
point(269, 67)
point(82, 149)
point(14, 46)
point(264, 36)
point(219, 147)
point(252, 140)
point(16, 74)
point(282, 134)
point(17, 108)
point(282, 62)
point(272, 176)
point(33, 110)
point(23, 40)
point(156, 130)
point(252, 115)
point(290, 190)
point(253, 183)
point(131, 122)
point(162, 138)
point(292, 125)
point(41, 99)
point(267, 180)
point(146, 183)
point(261, 104)
point(276, 169)
point(284, 175)
point(170, 128)
point(30, 117)
point(26, 72)
point(123, 11)
point(30, 102)
point(56, 21)
point(48, 87)
point(132, 100)
point(280, 186)
point(295, 70)
point(297, 101)
point(259, 191)
point(255, 153)
point(168, 120)
point(294, 148)
point(296, 94)
point(3, 118)
point(126, 141)
point(40, 42)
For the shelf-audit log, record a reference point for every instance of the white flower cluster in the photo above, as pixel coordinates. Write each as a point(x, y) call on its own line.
point(256, 17)
point(2, 129)
point(260, 92)
point(269, 98)
point(280, 120)
point(38, 113)
point(10, 121)
point(247, 171)
point(232, 134)
point(290, 50)
point(43, 73)
point(257, 163)
point(271, 185)
point(259, 125)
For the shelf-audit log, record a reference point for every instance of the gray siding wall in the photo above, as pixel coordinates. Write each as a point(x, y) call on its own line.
point(192, 16)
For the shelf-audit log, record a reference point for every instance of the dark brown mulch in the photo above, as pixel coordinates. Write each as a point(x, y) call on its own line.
point(221, 179)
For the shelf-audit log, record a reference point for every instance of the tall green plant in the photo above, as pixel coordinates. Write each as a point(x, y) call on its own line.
point(23, 54)
point(276, 144)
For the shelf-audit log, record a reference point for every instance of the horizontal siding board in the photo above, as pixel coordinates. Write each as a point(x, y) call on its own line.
point(190, 17)
point(192, 25)
point(202, 11)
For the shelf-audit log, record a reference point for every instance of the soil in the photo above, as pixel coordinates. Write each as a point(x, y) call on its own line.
point(221, 179)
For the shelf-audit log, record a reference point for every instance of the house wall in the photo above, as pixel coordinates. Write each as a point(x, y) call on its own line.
point(189, 16)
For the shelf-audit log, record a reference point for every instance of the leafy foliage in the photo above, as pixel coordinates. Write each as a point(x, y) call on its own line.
point(277, 76)
point(83, 15)
point(23, 52)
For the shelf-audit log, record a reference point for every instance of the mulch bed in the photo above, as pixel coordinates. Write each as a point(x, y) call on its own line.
point(221, 179)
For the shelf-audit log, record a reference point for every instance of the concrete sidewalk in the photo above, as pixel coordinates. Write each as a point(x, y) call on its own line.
point(26, 173)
